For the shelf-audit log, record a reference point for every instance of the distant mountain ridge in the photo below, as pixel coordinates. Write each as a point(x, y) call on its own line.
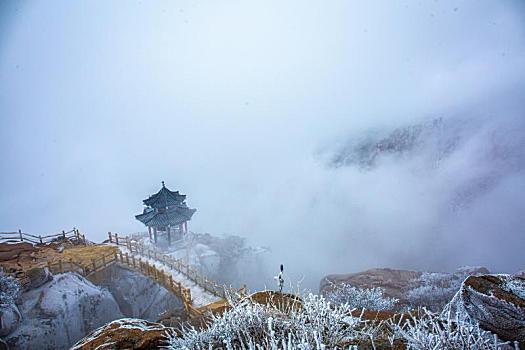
point(490, 149)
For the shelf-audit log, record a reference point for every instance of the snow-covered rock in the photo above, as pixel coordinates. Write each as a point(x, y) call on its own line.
point(59, 313)
point(126, 333)
point(137, 295)
point(497, 302)
point(9, 319)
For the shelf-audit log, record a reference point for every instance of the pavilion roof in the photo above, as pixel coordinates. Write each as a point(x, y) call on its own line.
point(164, 198)
point(171, 216)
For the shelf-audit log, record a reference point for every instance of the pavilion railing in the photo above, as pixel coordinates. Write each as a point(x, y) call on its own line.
point(178, 265)
point(19, 236)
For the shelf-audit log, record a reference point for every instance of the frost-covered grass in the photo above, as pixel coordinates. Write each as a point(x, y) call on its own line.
point(9, 289)
point(427, 331)
point(357, 298)
point(434, 290)
point(319, 324)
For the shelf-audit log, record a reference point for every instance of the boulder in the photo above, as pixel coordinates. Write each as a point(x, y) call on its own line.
point(9, 319)
point(126, 333)
point(38, 276)
point(497, 302)
point(59, 313)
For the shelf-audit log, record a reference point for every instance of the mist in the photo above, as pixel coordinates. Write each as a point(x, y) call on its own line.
point(242, 106)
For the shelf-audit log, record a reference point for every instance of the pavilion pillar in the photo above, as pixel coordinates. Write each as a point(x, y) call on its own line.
point(169, 235)
point(155, 234)
point(149, 231)
point(185, 227)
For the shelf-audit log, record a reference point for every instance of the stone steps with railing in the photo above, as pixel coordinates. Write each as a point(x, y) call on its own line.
point(186, 275)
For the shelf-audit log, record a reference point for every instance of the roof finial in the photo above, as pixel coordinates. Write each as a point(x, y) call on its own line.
point(163, 184)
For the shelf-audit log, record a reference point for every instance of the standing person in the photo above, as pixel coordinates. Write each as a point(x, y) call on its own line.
point(280, 279)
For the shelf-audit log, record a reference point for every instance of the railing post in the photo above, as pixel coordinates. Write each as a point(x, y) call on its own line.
point(120, 253)
point(127, 259)
point(84, 238)
point(40, 238)
point(116, 238)
point(20, 233)
point(64, 235)
point(110, 238)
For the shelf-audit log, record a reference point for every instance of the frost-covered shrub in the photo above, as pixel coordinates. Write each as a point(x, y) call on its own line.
point(434, 290)
point(515, 286)
point(427, 331)
point(357, 298)
point(431, 296)
point(317, 325)
point(9, 289)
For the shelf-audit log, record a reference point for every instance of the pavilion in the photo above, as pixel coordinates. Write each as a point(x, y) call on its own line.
point(166, 213)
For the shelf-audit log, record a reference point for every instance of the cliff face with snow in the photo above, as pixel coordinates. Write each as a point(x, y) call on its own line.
point(59, 313)
point(136, 295)
point(62, 311)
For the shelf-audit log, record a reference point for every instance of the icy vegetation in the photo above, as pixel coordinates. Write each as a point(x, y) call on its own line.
point(256, 326)
point(319, 324)
point(434, 290)
point(427, 331)
point(357, 298)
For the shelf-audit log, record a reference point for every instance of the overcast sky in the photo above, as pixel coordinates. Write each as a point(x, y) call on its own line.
point(231, 102)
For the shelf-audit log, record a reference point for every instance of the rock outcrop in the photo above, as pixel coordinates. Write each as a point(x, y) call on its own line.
point(126, 333)
point(394, 282)
point(14, 250)
point(411, 288)
point(497, 303)
point(136, 295)
point(59, 313)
